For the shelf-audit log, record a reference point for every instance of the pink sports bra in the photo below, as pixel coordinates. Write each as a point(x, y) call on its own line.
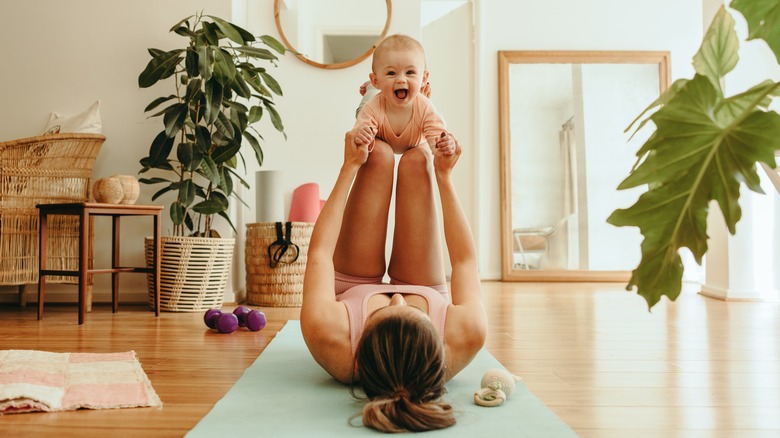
point(356, 298)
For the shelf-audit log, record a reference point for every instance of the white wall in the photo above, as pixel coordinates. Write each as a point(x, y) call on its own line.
point(62, 56)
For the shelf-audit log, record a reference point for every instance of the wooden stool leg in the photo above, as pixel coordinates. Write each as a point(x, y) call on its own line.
point(115, 263)
point(22, 296)
point(157, 267)
point(83, 263)
point(42, 234)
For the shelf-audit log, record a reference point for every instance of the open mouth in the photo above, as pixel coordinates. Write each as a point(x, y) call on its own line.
point(401, 94)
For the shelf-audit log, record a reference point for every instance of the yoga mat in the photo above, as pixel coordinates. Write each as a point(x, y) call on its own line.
point(270, 196)
point(284, 393)
point(306, 203)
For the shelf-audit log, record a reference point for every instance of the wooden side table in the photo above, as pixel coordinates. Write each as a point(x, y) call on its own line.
point(85, 210)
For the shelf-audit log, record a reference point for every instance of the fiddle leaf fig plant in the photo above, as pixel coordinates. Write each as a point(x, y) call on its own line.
point(705, 145)
point(221, 88)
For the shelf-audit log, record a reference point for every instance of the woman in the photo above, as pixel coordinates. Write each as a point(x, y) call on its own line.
point(401, 342)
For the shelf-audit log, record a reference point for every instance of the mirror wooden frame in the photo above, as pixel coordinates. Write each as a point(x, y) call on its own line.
point(505, 59)
point(338, 65)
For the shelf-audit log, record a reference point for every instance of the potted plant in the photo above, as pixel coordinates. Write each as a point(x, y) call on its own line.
point(704, 146)
point(221, 89)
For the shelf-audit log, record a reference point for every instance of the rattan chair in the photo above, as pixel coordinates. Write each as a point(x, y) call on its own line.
point(42, 170)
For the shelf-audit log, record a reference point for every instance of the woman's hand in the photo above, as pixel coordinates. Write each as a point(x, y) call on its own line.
point(446, 154)
point(363, 135)
point(445, 143)
point(355, 154)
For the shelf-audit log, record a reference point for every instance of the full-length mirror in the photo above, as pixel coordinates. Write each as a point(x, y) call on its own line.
point(332, 33)
point(563, 154)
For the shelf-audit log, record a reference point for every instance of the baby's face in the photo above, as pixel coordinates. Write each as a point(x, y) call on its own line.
point(399, 75)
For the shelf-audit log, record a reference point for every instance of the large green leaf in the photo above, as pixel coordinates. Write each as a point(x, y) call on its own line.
point(763, 18)
point(718, 52)
point(702, 151)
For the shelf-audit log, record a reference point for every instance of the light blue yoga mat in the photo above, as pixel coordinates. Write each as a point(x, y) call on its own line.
point(284, 393)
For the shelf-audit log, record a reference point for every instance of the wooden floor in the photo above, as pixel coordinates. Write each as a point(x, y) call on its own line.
point(698, 367)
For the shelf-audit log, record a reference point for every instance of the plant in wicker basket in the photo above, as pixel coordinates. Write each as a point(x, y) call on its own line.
point(220, 92)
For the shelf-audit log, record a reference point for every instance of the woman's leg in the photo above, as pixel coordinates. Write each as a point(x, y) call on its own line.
point(360, 250)
point(417, 256)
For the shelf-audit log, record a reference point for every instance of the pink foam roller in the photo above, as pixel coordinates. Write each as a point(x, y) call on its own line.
point(305, 206)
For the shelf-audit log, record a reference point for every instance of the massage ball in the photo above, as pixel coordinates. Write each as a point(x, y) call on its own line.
point(241, 312)
point(210, 317)
point(255, 320)
point(227, 323)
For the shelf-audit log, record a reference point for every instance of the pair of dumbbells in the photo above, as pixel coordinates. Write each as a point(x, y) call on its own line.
point(228, 322)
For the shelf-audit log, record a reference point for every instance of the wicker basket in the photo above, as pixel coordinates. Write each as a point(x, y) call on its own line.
point(281, 286)
point(193, 272)
point(42, 170)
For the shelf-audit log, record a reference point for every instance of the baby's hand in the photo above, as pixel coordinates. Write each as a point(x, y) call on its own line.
point(364, 134)
point(445, 143)
point(363, 88)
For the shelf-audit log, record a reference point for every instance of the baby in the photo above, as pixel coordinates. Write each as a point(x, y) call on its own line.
point(400, 114)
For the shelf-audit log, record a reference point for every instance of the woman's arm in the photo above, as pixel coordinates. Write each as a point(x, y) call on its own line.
point(466, 327)
point(324, 321)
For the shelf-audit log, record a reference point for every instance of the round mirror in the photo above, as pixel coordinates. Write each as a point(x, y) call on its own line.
point(332, 33)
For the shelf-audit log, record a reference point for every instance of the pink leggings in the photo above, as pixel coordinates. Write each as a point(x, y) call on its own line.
point(344, 282)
